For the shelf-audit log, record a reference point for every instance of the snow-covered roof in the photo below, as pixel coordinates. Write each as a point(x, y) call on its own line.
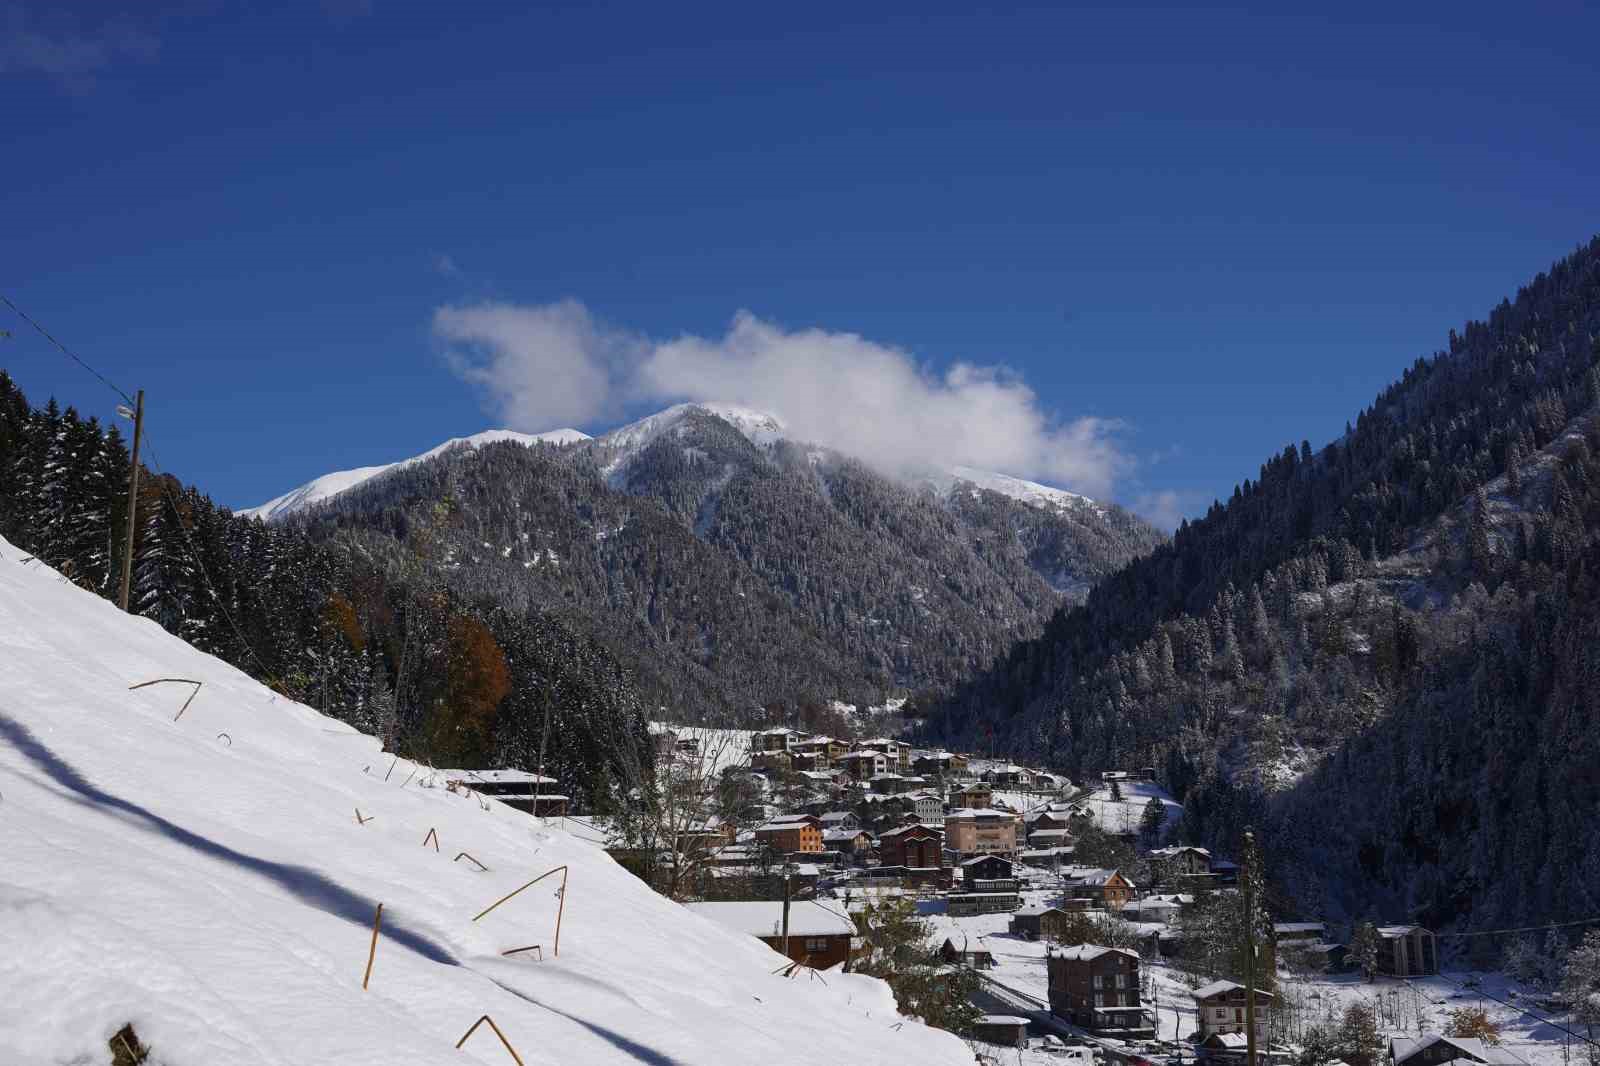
point(762, 917)
point(1390, 931)
point(1298, 927)
point(496, 777)
point(1089, 952)
point(1001, 1019)
point(1217, 988)
point(1403, 1049)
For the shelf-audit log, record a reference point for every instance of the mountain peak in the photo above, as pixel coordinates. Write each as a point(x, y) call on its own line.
point(329, 485)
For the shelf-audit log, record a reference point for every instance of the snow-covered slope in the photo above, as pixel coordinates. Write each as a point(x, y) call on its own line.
point(206, 879)
point(1030, 492)
point(328, 485)
point(620, 445)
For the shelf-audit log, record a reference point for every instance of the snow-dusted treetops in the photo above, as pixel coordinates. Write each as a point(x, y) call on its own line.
point(1383, 654)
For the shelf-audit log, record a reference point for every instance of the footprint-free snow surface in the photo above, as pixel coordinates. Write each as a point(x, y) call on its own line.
point(206, 879)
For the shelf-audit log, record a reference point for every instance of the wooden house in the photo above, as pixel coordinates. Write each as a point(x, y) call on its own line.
point(792, 833)
point(1040, 923)
point(1097, 988)
point(820, 936)
point(519, 789)
point(987, 868)
point(778, 738)
point(914, 845)
point(976, 797)
point(978, 958)
point(1109, 887)
point(1220, 1007)
point(1007, 1030)
point(1433, 1049)
point(1406, 951)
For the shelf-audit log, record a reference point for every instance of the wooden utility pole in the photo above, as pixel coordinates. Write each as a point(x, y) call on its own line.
point(133, 499)
point(1250, 946)
point(786, 869)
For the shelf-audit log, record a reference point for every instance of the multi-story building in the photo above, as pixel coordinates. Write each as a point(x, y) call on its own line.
point(1221, 1009)
point(917, 846)
point(899, 753)
point(863, 764)
point(927, 806)
point(1098, 988)
point(778, 738)
point(981, 832)
point(792, 833)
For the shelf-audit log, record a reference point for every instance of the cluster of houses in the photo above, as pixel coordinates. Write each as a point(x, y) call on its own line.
point(878, 816)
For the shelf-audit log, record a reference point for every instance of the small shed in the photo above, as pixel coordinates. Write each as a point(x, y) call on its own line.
point(1007, 1030)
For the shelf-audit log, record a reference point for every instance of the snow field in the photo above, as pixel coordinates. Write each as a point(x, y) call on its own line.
point(219, 893)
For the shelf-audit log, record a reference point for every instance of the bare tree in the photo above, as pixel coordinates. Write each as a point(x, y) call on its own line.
point(676, 808)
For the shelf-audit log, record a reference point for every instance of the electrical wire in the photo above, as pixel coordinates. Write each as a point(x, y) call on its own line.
point(63, 348)
point(267, 676)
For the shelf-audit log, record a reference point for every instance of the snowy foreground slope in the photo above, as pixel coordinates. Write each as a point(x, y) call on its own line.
point(206, 879)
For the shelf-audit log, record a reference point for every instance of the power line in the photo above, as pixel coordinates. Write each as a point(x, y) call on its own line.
point(194, 555)
point(1514, 1006)
point(63, 348)
point(1525, 928)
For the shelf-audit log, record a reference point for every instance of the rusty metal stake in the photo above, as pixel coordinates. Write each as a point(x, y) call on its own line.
point(561, 896)
point(360, 820)
point(175, 681)
point(372, 951)
point(497, 1032)
point(433, 835)
point(481, 867)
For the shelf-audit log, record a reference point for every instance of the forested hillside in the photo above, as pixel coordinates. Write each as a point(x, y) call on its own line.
point(397, 651)
point(734, 570)
point(1382, 652)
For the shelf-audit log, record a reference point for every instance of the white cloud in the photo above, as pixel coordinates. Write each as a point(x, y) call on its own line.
point(550, 365)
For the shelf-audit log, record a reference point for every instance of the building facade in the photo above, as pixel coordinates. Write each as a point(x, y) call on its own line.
point(1221, 1009)
point(1098, 988)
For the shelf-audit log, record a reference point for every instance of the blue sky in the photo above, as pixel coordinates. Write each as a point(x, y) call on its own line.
point(1209, 233)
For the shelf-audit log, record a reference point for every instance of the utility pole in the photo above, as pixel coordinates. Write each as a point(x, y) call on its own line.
point(133, 495)
point(1250, 946)
point(786, 868)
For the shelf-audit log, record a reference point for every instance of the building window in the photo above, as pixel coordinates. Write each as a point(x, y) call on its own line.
point(1096, 981)
point(1099, 999)
point(1221, 1013)
point(1238, 1014)
point(816, 943)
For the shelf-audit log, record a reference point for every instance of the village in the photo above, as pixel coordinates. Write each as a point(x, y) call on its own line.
point(1083, 933)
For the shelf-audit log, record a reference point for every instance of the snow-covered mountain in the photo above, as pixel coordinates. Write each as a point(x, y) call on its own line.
point(329, 485)
point(205, 879)
point(731, 566)
point(619, 446)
